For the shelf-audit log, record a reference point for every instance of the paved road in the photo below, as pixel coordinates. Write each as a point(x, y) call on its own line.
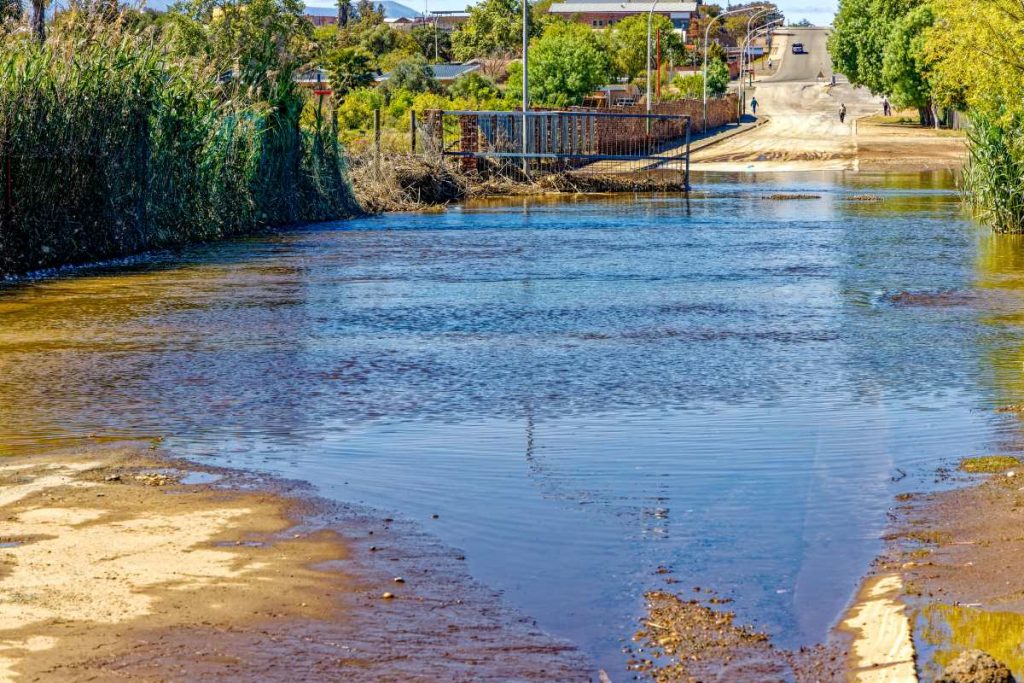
point(804, 132)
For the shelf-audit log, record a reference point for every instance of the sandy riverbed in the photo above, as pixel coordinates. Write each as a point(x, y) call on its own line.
point(115, 565)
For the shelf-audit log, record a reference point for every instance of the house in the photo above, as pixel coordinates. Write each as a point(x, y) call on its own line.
point(447, 21)
point(604, 13)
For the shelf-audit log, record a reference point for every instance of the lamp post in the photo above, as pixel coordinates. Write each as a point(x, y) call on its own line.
point(743, 52)
point(745, 60)
point(526, 83)
point(707, 31)
point(650, 17)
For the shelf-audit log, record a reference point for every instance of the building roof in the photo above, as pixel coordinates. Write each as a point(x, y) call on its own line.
point(447, 72)
point(584, 6)
point(392, 9)
point(443, 72)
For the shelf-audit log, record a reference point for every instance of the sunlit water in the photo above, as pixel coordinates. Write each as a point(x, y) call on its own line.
point(582, 390)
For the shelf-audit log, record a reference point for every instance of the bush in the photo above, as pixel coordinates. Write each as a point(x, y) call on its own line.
point(356, 111)
point(414, 75)
point(690, 86)
point(473, 87)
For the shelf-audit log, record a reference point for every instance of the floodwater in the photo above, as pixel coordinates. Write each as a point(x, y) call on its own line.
point(582, 390)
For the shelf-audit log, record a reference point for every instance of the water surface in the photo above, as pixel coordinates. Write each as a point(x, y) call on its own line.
point(582, 390)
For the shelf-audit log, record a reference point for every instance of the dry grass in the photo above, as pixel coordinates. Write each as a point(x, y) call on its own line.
point(407, 182)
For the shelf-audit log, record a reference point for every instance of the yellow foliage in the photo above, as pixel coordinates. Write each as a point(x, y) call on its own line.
point(977, 52)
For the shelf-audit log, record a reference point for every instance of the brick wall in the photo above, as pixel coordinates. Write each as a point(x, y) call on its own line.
point(721, 110)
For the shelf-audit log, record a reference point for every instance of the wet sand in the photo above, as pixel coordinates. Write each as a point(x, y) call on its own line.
point(115, 565)
point(954, 576)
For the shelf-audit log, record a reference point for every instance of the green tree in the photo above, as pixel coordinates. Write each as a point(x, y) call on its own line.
point(344, 12)
point(718, 77)
point(567, 63)
point(904, 64)
point(349, 68)
point(413, 75)
point(629, 44)
point(365, 9)
point(473, 87)
point(862, 33)
point(494, 29)
point(432, 42)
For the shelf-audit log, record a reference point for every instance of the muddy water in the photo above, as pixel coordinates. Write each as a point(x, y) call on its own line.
point(581, 390)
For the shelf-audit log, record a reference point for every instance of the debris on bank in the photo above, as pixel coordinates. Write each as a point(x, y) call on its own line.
point(412, 182)
point(684, 640)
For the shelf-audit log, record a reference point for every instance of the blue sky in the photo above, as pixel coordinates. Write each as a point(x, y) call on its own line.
point(819, 12)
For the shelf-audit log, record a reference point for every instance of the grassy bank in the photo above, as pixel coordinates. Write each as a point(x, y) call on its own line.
point(113, 141)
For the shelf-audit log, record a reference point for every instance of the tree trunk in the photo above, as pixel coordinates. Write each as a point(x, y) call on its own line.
point(39, 20)
point(925, 115)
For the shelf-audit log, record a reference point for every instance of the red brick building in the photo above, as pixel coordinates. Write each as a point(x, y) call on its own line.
point(604, 13)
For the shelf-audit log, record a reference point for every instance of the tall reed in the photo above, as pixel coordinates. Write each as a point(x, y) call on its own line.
point(110, 144)
point(994, 175)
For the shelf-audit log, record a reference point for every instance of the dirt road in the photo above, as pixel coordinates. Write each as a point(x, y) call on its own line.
point(804, 132)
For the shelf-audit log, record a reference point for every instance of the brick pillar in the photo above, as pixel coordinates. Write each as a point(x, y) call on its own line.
point(469, 141)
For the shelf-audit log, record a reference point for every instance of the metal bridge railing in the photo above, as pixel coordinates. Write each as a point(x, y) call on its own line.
point(583, 142)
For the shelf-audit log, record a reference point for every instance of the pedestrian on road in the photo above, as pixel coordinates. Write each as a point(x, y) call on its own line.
point(842, 112)
point(753, 105)
point(833, 80)
point(886, 107)
point(769, 63)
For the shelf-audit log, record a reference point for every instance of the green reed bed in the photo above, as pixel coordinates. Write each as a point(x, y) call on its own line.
point(110, 145)
point(994, 176)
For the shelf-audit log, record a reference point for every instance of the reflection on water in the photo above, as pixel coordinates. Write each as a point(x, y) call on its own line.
point(944, 631)
point(582, 389)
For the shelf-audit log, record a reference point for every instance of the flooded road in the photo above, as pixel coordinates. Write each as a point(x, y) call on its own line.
point(582, 390)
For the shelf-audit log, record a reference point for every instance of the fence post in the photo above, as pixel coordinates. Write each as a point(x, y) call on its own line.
point(412, 131)
point(686, 173)
point(376, 130)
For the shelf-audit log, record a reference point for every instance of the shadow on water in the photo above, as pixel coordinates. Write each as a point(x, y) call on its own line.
point(583, 389)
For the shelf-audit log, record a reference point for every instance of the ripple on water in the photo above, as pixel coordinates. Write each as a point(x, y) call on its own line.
point(581, 390)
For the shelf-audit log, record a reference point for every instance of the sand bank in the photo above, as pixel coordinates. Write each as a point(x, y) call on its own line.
point(122, 565)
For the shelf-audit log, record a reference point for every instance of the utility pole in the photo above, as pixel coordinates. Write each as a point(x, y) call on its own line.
point(526, 83)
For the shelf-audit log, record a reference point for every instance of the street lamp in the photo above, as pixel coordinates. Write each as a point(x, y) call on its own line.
point(707, 30)
point(650, 17)
point(526, 83)
point(743, 56)
point(743, 53)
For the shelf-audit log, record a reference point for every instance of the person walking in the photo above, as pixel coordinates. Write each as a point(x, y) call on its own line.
point(842, 113)
point(886, 107)
point(753, 105)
